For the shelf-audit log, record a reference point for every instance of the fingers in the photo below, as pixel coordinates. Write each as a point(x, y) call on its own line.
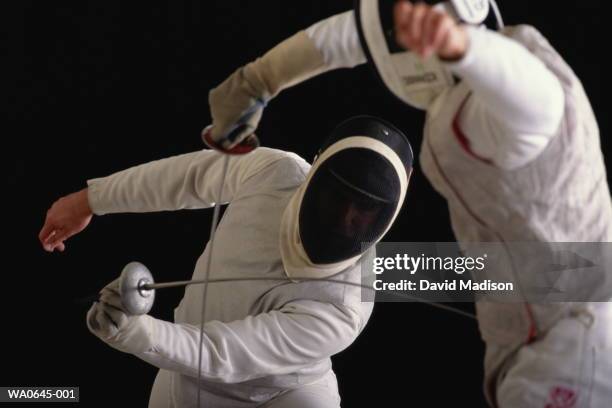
point(67, 216)
point(105, 321)
point(243, 128)
point(55, 241)
point(47, 241)
point(45, 234)
point(235, 136)
point(422, 28)
point(62, 234)
point(429, 32)
point(415, 28)
point(112, 299)
point(92, 323)
point(99, 322)
point(440, 32)
point(402, 13)
point(118, 318)
point(54, 234)
point(112, 286)
point(108, 328)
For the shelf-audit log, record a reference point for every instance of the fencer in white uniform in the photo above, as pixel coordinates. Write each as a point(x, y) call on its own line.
point(514, 148)
point(266, 343)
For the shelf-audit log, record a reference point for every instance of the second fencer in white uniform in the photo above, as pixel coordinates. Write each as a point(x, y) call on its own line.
point(513, 147)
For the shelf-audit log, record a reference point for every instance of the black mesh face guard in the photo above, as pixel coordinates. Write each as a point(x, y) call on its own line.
point(350, 201)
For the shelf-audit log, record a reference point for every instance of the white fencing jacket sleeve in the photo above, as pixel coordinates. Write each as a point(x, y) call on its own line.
point(337, 39)
point(517, 102)
point(274, 343)
point(298, 334)
point(188, 181)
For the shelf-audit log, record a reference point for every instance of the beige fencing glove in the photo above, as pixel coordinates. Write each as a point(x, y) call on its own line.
point(237, 104)
point(108, 321)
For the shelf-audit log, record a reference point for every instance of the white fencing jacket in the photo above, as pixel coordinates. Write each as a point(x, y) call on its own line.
point(260, 338)
point(514, 149)
point(546, 182)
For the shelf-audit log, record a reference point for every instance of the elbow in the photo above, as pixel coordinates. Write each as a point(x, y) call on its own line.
point(340, 332)
point(539, 113)
point(347, 330)
point(325, 332)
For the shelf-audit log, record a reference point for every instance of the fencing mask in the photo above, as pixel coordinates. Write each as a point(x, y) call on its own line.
point(351, 196)
point(414, 81)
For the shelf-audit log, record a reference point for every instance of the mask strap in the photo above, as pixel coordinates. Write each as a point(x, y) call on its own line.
point(498, 16)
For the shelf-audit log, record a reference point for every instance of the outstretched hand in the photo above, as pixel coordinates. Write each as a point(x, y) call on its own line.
point(429, 31)
point(67, 216)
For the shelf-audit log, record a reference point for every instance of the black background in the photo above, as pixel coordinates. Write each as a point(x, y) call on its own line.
point(92, 87)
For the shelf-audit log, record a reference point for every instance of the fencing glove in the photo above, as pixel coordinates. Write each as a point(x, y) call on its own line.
point(237, 104)
point(108, 321)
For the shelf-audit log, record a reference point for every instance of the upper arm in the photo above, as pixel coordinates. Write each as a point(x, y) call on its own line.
point(491, 139)
point(516, 102)
point(207, 174)
point(188, 181)
point(337, 40)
